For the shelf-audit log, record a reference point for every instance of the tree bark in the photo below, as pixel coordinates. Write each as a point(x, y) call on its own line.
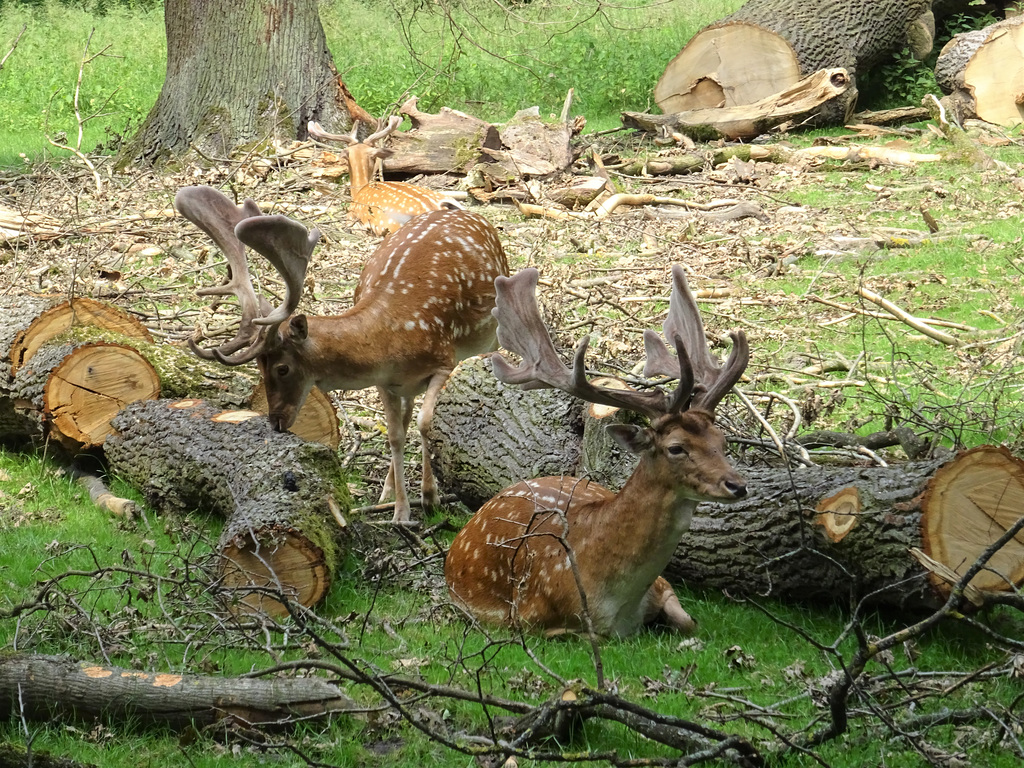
point(282, 497)
point(768, 45)
point(238, 73)
point(43, 687)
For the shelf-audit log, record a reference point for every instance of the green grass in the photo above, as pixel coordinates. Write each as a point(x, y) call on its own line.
point(612, 59)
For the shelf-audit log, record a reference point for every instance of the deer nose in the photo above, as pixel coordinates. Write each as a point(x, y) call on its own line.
point(739, 490)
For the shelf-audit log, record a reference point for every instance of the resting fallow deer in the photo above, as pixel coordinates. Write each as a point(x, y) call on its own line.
point(561, 554)
point(383, 206)
point(423, 303)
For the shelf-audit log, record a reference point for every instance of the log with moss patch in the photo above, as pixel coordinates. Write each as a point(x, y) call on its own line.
point(283, 498)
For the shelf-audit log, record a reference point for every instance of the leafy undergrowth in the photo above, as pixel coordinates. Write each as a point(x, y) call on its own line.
point(824, 358)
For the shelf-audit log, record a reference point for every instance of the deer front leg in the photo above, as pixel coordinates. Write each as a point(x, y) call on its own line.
point(398, 413)
point(662, 603)
point(430, 495)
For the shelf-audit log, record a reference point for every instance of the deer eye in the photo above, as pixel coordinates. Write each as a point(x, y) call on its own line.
point(282, 370)
point(676, 450)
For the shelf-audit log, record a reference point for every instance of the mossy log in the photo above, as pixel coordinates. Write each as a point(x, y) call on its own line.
point(41, 688)
point(448, 142)
point(283, 498)
point(767, 46)
point(809, 534)
point(982, 70)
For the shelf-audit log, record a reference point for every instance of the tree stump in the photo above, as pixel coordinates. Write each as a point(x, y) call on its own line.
point(71, 390)
point(768, 45)
point(282, 497)
point(982, 71)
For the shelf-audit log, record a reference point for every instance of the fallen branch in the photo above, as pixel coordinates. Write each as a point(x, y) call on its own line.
point(916, 323)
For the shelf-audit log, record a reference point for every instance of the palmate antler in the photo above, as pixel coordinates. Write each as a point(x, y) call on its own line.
point(284, 242)
point(701, 379)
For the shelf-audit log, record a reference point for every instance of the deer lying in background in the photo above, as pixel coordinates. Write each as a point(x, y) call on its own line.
point(423, 303)
point(383, 206)
point(562, 554)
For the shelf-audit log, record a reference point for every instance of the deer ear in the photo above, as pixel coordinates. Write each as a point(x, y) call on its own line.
point(631, 437)
point(298, 328)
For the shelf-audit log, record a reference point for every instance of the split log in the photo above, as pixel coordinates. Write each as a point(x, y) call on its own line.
point(981, 72)
point(767, 46)
point(532, 147)
point(69, 391)
point(40, 688)
point(822, 98)
point(809, 534)
point(282, 497)
point(448, 142)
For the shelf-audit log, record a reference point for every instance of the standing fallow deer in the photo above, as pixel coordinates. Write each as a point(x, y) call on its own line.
point(423, 303)
point(562, 554)
point(383, 206)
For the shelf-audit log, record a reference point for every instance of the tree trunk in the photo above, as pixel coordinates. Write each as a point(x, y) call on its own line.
point(282, 497)
point(486, 436)
point(40, 688)
point(982, 72)
point(768, 45)
point(238, 73)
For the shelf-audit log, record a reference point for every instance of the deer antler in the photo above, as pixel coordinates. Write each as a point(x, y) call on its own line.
point(684, 326)
point(317, 132)
point(283, 241)
point(217, 216)
point(521, 330)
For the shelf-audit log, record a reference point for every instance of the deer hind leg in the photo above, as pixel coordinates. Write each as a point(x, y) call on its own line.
point(663, 604)
point(431, 497)
point(398, 413)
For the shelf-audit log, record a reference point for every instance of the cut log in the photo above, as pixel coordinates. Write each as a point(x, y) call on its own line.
point(822, 98)
point(768, 45)
point(448, 142)
point(282, 497)
point(69, 391)
point(982, 71)
point(316, 421)
point(40, 688)
point(486, 436)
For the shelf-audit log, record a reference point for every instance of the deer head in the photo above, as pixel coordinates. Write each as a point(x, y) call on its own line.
point(563, 554)
point(383, 206)
point(422, 304)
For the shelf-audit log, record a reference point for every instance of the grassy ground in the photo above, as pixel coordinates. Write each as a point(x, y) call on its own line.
point(754, 669)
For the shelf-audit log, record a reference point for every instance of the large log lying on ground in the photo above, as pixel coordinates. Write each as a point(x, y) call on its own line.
point(282, 497)
point(768, 45)
point(805, 534)
point(818, 99)
point(982, 71)
point(40, 688)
